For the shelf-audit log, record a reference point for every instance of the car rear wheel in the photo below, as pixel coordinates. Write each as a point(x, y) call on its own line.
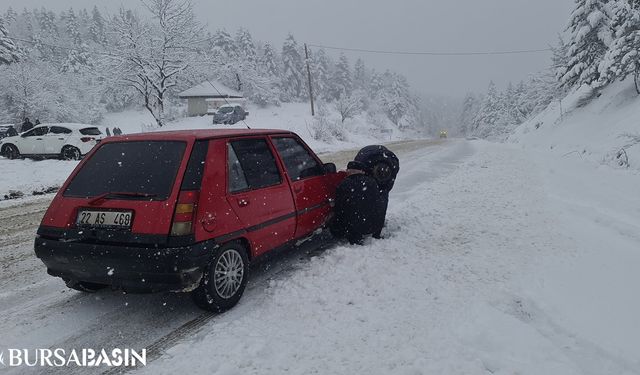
point(11, 152)
point(70, 153)
point(224, 279)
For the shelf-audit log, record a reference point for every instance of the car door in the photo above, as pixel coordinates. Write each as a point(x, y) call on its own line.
point(56, 138)
point(32, 141)
point(39, 141)
point(311, 192)
point(258, 193)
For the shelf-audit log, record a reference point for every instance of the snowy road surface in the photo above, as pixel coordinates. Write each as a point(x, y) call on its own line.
point(496, 261)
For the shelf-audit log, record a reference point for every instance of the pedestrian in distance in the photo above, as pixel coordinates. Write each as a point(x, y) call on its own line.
point(26, 125)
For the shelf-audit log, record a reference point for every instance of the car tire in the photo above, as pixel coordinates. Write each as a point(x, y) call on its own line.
point(224, 279)
point(10, 152)
point(85, 287)
point(70, 153)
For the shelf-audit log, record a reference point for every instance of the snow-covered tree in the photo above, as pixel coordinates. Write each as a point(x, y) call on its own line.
point(292, 69)
point(470, 108)
point(349, 105)
point(360, 75)
point(270, 62)
point(589, 37)
point(155, 54)
point(97, 27)
point(623, 57)
point(246, 47)
point(341, 82)
point(490, 112)
point(8, 48)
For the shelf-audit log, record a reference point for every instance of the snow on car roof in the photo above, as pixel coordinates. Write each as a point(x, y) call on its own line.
point(69, 125)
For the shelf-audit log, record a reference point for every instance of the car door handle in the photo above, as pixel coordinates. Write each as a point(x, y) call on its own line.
point(243, 202)
point(297, 189)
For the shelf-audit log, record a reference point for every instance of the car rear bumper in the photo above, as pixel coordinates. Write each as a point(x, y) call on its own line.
point(134, 269)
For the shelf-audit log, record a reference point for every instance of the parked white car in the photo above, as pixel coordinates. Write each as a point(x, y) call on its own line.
point(64, 141)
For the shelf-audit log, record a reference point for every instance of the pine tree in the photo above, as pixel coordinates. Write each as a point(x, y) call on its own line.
point(97, 30)
point(470, 108)
point(10, 17)
point(342, 82)
point(8, 49)
point(589, 37)
point(292, 69)
point(269, 61)
point(489, 114)
point(321, 71)
point(360, 75)
point(623, 57)
point(245, 46)
point(72, 27)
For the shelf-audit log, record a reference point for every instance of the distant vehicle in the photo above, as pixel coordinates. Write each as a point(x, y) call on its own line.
point(229, 114)
point(7, 131)
point(443, 134)
point(64, 141)
point(184, 211)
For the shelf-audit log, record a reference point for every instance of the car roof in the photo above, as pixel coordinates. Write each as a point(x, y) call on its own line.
point(198, 134)
point(68, 125)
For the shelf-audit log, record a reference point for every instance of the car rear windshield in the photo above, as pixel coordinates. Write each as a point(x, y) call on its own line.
point(90, 131)
point(145, 167)
point(226, 110)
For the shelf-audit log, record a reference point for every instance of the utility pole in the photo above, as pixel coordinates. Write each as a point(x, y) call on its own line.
point(306, 53)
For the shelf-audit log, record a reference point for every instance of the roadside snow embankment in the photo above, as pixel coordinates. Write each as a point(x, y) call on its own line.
point(604, 131)
point(459, 285)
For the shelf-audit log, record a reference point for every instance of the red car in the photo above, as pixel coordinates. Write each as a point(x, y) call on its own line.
point(184, 211)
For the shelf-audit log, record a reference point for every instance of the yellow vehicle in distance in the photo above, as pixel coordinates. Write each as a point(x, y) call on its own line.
point(443, 134)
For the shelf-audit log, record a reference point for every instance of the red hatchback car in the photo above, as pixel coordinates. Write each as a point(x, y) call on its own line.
point(184, 211)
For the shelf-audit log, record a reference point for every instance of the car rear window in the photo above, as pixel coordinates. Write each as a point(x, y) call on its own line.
point(146, 167)
point(90, 131)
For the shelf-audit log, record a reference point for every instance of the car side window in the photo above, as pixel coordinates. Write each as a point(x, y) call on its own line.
point(297, 159)
point(237, 181)
point(36, 132)
point(59, 130)
point(257, 164)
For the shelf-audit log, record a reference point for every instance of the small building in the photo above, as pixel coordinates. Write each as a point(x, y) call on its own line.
point(208, 96)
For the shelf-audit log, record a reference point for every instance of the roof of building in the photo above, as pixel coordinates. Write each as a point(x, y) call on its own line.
point(210, 89)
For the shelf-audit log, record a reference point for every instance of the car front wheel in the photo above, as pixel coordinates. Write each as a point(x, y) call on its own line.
point(224, 279)
point(70, 153)
point(11, 152)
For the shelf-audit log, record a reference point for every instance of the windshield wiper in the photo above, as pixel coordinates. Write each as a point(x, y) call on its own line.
point(116, 194)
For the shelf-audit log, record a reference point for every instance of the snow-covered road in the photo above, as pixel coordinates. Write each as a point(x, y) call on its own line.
point(496, 261)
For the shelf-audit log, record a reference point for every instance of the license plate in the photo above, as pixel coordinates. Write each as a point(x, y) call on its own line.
point(117, 219)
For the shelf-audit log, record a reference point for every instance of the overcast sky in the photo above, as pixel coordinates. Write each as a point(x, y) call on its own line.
point(407, 25)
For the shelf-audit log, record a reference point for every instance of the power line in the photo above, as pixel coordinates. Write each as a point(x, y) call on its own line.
point(417, 53)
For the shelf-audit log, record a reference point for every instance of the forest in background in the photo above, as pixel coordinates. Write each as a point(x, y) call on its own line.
point(76, 65)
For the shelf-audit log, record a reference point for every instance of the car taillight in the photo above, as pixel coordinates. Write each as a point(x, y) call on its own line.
point(184, 213)
point(87, 139)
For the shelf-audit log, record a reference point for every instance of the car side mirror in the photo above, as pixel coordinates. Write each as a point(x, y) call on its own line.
point(329, 168)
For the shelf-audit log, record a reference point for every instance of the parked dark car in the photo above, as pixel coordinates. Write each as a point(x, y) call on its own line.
point(229, 114)
point(7, 131)
point(184, 211)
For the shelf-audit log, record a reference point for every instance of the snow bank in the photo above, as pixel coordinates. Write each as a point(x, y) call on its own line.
point(459, 286)
point(605, 131)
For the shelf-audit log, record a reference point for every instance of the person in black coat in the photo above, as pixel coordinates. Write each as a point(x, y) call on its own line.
point(363, 197)
point(26, 125)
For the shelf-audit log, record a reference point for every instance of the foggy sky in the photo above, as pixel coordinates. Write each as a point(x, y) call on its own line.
point(408, 25)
